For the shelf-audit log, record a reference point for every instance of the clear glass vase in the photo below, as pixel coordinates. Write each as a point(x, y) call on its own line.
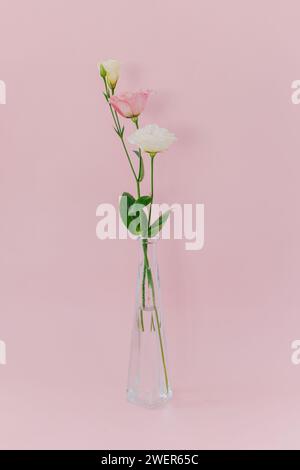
point(148, 376)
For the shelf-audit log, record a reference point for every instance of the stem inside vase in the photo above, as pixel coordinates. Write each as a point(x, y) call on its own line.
point(147, 273)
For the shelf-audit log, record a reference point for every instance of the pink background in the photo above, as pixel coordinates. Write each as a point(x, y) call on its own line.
point(222, 71)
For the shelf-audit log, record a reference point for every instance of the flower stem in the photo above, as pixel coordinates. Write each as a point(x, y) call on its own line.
point(145, 242)
point(142, 319)
point(135, 120)
point(131, 166)
point(143, 286)
point(152, 189)
point(120, 134)
point(110, 106)
point(151, 284)
point(152, 323)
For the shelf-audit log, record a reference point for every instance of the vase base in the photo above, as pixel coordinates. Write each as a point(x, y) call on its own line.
point(157, 402)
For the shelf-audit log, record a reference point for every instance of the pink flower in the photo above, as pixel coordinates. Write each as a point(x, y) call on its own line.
point(130, 105)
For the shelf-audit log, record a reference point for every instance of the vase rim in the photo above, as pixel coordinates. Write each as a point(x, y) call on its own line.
point(149, 241)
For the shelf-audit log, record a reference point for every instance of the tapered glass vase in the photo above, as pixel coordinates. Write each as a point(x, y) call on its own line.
point(148, 376)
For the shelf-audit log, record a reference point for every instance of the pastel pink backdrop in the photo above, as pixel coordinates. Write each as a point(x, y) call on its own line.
point(222, 72)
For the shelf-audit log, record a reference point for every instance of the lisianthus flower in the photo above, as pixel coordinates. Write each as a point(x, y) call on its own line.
point(152, 139)
point(111, 70)
point(130, 105)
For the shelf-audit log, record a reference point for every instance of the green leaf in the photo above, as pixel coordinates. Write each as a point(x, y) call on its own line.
point(158, 224)
point(144, 200)
point(139, 222)
point(138, 152)
point(120, 131)
point(126, 201)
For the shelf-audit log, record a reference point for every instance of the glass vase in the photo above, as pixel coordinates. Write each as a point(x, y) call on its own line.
point(148, 376)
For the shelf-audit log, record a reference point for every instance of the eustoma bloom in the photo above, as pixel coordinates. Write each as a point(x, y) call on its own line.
point(152, 139)
point(130, 105)
point(110, 69)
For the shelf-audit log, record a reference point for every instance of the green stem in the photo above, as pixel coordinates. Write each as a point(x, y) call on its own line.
point(113, 116)
point(110, 106)
point(119, 129)
point(152, 323)
point(151, 283)
point(152, 189)
point(142, 319)
point(161, 346)
point(118, 121)
point(149, 220)
point(143, 286)
point(131, 166)
point(135, 120)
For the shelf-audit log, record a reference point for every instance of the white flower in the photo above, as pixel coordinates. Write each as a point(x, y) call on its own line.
point(152, 139)
point(112, 69)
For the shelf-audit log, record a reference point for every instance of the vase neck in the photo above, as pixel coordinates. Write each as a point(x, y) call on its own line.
point(148, 249)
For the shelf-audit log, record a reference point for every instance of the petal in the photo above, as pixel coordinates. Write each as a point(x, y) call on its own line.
point(121, 106)
point(138, 102)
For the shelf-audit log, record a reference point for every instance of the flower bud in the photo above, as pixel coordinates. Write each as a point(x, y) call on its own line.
point(102, 71)
point(112, 70)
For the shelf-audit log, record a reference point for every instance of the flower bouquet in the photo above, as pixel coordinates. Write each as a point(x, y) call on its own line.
point(148, 378)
